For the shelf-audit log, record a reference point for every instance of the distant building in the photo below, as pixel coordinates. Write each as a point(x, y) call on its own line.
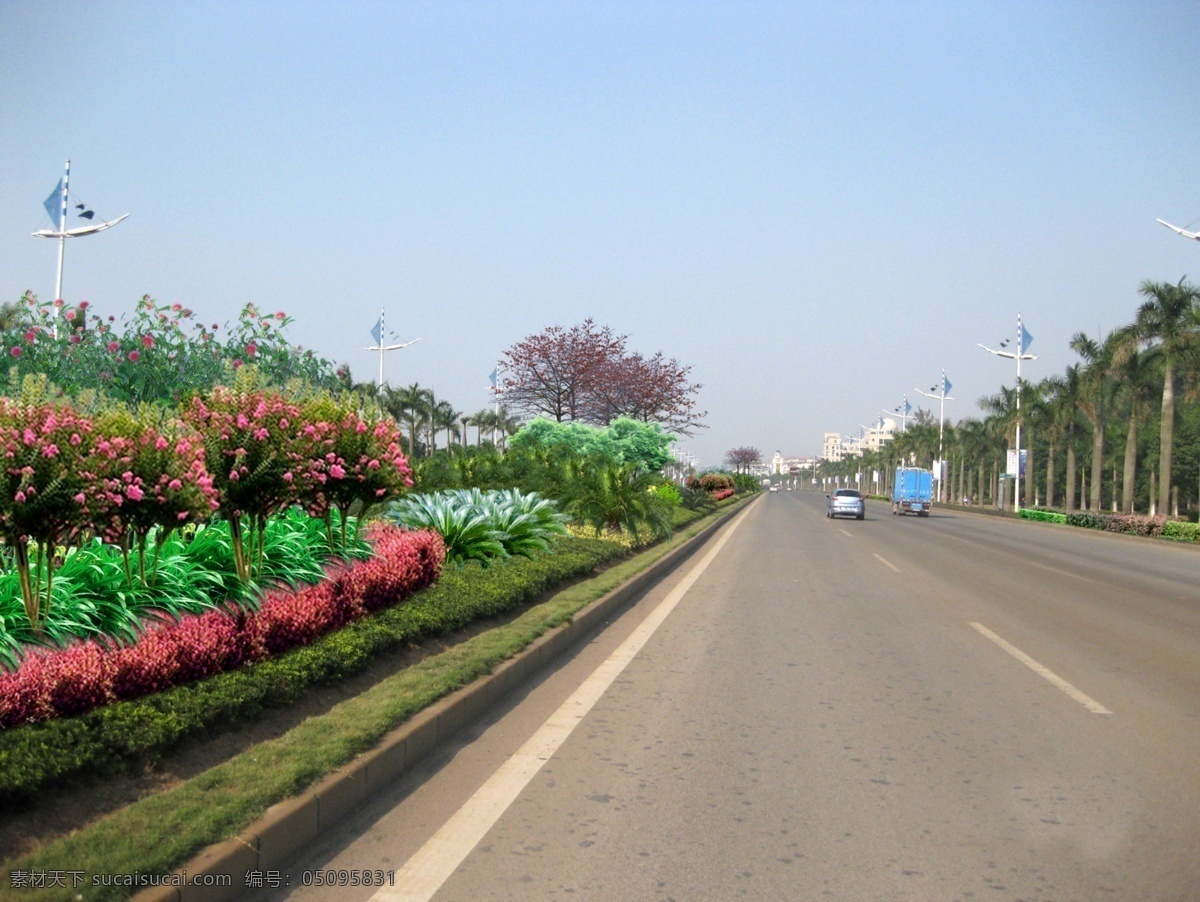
point(868, 440)
point(790, 466)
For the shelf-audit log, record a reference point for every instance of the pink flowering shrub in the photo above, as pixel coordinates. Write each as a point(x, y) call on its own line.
point(62, 682)
point(43, 445)
point(160, 353)
point(352, 460)
point(715, 482)
point(251, 452)
point(144, 473)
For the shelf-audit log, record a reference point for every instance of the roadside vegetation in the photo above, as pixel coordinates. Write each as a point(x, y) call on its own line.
point(201, 524)
point(1118, 431)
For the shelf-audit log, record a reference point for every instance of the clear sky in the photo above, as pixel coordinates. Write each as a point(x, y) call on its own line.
point(819, 206)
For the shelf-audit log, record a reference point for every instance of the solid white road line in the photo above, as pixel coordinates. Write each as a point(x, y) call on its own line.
point(845, 533)
point(1045, 673)
point(434, 863)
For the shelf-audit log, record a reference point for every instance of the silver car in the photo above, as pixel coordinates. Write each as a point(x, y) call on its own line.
point(846, 503)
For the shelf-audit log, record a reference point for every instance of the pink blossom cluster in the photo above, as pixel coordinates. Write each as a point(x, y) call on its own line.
point(62, 682)
point(42, 445)
point(251, 448)
point(140, 477)
point(353, 460)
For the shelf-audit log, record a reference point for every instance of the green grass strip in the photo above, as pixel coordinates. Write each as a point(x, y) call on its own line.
point(161, 833)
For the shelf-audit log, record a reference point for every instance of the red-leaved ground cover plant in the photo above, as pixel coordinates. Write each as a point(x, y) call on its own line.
point(63, 682)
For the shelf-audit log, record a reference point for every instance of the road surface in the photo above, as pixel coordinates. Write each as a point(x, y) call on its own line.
point(952, 707)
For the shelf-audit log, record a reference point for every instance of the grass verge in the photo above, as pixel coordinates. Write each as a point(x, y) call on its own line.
point(162, 832)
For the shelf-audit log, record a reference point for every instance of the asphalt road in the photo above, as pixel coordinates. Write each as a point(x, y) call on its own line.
point(952, 707)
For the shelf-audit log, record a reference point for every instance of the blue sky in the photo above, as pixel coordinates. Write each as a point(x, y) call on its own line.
point(818, 206)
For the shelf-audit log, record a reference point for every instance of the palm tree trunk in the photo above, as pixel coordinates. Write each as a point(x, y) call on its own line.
point(1070, 499)
point(1166, 435)
point(1130, 470)
point(1050, 477)
point(1097, 462)
point(1030, 501)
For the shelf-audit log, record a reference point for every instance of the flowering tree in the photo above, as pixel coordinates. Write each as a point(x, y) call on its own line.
point(552, 373)
point(650, 389)
point(741, 459)
point(584, 374)
point(145, 473)
point(251, 452)
point(353, 460)
point(42, 488)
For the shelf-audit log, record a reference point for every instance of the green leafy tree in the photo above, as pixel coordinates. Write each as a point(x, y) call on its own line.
point(624, 441)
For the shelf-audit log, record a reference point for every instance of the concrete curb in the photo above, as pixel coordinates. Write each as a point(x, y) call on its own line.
point(288, 826)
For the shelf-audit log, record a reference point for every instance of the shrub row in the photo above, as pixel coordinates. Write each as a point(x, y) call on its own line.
point(1042, 516)
point(127, 736)
point(1129, 524)
point(70, 681)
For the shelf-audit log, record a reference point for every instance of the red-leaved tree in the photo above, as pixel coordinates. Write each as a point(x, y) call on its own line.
point(741, 459)
point(552, 373)
point(584, 374)
point(650, 389)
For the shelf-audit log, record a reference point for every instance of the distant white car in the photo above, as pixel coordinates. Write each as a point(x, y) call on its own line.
point(774, 488)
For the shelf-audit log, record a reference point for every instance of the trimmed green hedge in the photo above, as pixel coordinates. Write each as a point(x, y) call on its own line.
point(1042, 516)
point(1181, 531)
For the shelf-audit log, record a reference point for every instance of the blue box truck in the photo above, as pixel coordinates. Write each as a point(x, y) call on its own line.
point(912, 492)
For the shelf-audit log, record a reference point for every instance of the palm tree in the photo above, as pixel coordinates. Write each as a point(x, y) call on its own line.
point(506, 425)
point(1068, 412)
point(1136, 373)
point(1053, 407)
point(1035, 419)
point(410, 405)
point(973, 443)
point(1168, 318)
point(1003, 420)
point(443, 416)
point(1097, 387)
point(483, 420)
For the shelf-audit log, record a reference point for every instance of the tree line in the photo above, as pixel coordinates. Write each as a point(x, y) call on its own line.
point(1116, 430)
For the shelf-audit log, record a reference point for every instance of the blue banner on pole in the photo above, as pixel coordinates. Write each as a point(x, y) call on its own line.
point(377, 331)
point(54, 204)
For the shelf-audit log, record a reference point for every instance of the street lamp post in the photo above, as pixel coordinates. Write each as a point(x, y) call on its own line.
point(902, 411)
point(1024, 339)
point(943, 398)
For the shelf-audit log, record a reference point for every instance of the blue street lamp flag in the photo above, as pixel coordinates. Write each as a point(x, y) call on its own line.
point(1024, 339)
point(492, 378)
point(377, 331)
point(905, 408)
point(54, 204)
point(945, 384)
